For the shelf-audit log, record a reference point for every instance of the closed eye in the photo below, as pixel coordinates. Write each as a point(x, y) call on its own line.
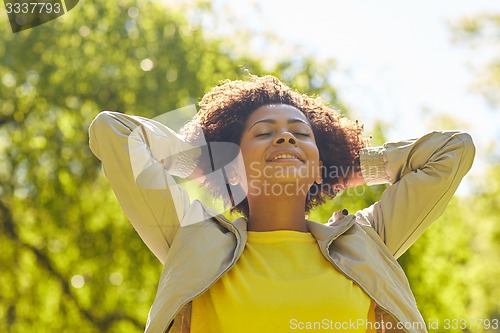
point(295, 133)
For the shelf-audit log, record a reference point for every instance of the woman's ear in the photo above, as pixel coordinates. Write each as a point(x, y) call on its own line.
point(319, 174)
point(232, 176)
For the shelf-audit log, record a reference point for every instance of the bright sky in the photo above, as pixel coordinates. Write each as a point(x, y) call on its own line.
point(395, 59)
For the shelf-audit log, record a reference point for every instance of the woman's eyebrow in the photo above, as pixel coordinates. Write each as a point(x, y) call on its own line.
point(273, 121)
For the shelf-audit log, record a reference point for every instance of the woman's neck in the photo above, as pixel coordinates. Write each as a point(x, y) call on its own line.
point(277, 213)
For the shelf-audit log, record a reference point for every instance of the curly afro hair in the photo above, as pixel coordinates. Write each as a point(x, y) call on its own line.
point(225, 109)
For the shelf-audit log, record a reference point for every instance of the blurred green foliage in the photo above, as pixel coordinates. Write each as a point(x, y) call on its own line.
point(481, 32)
point(70, 260)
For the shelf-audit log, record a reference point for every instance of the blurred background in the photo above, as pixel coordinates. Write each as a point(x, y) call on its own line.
point(71, 262)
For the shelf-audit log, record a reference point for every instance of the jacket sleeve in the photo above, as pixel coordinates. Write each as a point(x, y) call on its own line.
point(424, 174)
point(139, 157)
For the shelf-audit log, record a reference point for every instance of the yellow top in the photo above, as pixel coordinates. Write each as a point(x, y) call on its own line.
point(282, 283)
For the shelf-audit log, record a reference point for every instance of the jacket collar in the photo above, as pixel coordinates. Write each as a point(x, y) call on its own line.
point(322, 232)
point(330, 231)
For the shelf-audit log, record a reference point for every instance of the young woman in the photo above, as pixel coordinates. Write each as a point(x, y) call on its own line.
point(273, 270)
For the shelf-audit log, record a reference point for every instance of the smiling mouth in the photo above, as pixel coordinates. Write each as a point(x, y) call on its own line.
point(285, 157)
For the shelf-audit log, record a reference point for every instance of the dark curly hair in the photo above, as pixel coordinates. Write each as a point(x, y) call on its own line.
point(225, 109)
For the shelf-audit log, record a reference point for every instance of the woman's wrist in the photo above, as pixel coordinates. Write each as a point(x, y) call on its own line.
point(199, 171)
point(355, 177)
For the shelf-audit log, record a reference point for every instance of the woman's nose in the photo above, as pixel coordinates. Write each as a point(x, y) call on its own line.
point(285, 137)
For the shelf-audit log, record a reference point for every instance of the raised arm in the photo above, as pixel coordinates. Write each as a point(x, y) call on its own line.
point(139, 156)
point(424, 174)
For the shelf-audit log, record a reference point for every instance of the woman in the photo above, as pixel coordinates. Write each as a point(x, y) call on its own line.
point(273, 270)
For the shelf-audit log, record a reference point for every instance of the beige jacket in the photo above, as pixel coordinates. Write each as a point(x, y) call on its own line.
point(140, 156)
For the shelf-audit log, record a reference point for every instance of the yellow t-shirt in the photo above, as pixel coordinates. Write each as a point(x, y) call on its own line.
point(282, 283)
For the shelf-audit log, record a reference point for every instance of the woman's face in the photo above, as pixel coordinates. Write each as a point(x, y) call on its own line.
point(279, 152)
